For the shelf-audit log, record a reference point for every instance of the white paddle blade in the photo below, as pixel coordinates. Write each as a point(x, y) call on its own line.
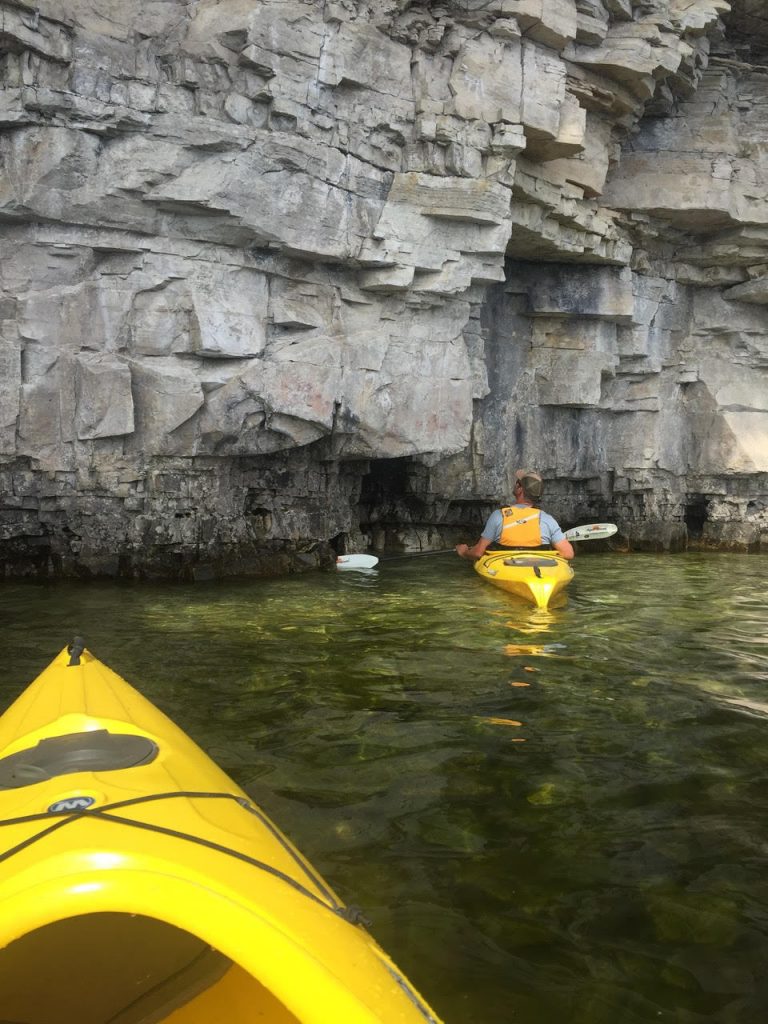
point(356, 561)
point(595, 531)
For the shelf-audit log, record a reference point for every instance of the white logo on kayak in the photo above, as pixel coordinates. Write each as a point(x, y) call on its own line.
point(74, 803)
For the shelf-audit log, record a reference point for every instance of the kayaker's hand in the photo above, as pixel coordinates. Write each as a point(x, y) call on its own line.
point(462, 549)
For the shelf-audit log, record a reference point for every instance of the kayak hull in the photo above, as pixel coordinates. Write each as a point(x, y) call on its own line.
point(535, 576)
point(139, 884)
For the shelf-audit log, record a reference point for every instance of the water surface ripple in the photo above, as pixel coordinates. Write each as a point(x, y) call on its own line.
point(548, 816)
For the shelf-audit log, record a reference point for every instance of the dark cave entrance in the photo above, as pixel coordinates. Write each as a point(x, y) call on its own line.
point(386, 482)
point(384, 502)
point(338, 544)
point(696, 510)
point(387, 499)
point(399, 509)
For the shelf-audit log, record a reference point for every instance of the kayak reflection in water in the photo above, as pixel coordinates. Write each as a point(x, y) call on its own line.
point(520, 525)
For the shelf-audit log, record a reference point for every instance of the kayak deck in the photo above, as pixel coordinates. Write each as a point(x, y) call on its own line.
point(536, 576)
point(139, 884)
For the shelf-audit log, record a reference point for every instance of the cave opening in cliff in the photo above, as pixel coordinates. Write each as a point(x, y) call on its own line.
point(390, 500)
point(338, 543)
point(696, 510)
point(747, 30)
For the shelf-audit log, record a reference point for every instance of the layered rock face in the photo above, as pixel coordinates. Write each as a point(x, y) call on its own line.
point(281, 276)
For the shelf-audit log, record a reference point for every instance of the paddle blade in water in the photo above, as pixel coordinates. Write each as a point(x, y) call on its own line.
point(356, 561)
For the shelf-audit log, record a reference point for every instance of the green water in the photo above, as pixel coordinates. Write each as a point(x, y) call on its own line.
point(601, 862)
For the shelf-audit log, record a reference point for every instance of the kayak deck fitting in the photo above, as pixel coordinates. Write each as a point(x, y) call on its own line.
point(536, 576)
point(139, 884)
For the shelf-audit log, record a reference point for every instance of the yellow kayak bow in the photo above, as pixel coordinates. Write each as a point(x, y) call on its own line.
point(139, 884)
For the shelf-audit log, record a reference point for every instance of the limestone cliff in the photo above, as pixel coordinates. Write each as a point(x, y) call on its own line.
point(284, 274)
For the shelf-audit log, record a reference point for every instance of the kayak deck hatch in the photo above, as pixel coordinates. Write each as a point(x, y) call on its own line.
point(96, 751)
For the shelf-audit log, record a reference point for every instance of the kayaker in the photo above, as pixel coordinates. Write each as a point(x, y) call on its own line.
point(516, 526)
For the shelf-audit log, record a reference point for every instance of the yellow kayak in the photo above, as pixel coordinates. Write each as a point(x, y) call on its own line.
point(536, 576)
point(138, 884)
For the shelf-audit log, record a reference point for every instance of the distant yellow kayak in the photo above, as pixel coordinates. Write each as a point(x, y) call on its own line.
point(536, 576)
point(139, 884)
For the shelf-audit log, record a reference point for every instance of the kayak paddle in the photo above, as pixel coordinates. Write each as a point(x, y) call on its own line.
point(595, 531)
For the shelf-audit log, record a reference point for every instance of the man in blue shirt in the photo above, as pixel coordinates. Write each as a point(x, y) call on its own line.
point(520, 525)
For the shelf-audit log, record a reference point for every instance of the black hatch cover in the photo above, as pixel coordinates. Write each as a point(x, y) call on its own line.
point(97, 751)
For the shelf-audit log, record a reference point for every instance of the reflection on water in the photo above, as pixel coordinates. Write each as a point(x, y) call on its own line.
point(549, 816)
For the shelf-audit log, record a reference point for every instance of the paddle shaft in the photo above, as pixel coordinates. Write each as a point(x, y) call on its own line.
point(418, 554)
point(592, 531)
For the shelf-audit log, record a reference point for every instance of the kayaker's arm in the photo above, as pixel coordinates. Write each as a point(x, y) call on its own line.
point(564, 548)
point(476, 551)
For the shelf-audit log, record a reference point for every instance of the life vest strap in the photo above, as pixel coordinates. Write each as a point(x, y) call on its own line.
point(519, 522)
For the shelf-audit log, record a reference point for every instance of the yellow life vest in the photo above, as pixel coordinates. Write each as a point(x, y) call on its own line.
point(520, 528)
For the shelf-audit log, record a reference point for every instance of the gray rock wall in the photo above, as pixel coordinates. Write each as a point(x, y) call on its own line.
point(283, 275)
